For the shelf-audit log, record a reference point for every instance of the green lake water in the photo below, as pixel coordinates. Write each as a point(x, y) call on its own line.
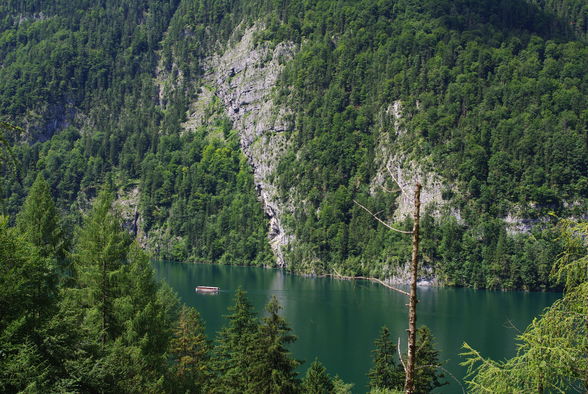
point(337, 321)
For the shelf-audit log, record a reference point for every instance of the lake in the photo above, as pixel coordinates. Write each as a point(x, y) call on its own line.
point(337, 321)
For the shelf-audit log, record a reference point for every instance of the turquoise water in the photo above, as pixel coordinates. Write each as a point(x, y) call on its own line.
point(337, 321)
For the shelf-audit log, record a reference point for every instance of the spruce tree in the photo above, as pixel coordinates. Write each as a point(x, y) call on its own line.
point(39, 221)
point(28, 295)
point(427, 375)
point(274, 370)
point(317, 380)
point(233, 353)
point(100, 252)
point(190, 349)
point(385, 374)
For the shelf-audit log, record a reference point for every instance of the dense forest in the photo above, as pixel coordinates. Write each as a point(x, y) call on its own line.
point(89, 316)
point(492, 97)
point(100, 174)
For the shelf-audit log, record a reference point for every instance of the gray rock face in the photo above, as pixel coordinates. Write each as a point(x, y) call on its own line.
point(396, 165)
point(243, 78)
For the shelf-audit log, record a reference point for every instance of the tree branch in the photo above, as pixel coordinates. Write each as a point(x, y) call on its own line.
point(381, 221)
point(400, 356)
point(371, 279)
point(395, 180)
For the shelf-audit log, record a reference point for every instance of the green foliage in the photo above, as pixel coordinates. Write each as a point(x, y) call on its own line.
point(273, 369)
point(551, 352)
point(252, 357)
point(199, 203)
point(427, 374)
point(317, 380)
point(40, 221)
point(235, 344)
point(385, 374)
point(100, 252)
point(27, 301)
point(190, 349)
point(492, 97)
point(340, 387)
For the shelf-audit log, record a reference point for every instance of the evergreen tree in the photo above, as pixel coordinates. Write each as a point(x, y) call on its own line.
point(126, 318)
point(427, 376)
point(274, 370)
point(39, 221)
point(138, 357)
point(100, 251)
point(190, 349)
point(28, 295)
point(385, 374)
point(340, 387)
point(233, 353)
point(317, 380)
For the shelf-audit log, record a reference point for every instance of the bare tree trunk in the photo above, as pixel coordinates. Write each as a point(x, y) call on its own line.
point(410, 364)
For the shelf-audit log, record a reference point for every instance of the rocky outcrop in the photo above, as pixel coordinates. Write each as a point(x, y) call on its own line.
point(398, 169)
point(243, 78)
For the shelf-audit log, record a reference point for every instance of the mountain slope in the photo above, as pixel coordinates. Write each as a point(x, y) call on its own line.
point(484, 102)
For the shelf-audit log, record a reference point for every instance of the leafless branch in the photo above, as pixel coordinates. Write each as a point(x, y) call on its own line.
point(400, 355)
point(390, 190)
point(381, 221)
point(371, 279)
point(396, 180)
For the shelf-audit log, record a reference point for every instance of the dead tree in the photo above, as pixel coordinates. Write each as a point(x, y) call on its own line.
point(409, 366)
point(412, 299)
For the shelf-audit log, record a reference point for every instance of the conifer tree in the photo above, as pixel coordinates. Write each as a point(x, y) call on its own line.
point(232, 354)
point(385, 374)
point(190, 349)
point(100, 251)
point(27, 298)
point(39, 221)
point(317, 380)
point(274, 370)
point(427, 375)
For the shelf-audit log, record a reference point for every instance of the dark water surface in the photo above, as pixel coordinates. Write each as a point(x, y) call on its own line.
point(337, 321)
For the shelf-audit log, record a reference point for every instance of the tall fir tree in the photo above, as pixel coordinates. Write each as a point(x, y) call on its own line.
point(385, 373)
point(427, 374)
point(317, 380)
point(233, 353)
point(28, 295)
point(39, 221)
point(190, 349)
point(100, 252)
point(274, 369)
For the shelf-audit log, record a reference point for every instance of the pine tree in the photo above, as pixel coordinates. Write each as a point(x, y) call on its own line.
point(317, 380)
point(274, 370)
point(385, 374)
point(190, 349)
point(232, 354)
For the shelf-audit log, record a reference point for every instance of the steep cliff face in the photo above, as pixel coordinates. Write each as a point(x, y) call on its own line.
point(241, 79)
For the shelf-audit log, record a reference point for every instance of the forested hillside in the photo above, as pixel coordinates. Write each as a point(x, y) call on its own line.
point(484, 101)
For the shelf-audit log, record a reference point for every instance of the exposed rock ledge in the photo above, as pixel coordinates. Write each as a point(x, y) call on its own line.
point(243, 78)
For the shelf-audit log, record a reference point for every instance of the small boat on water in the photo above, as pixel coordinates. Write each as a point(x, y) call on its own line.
point(207, 289)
